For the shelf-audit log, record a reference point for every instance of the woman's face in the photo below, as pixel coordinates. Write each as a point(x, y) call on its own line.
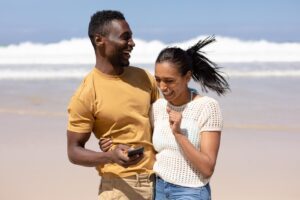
point(172, 84)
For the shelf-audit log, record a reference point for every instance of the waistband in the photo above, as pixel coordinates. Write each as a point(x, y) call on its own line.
point(132, 177)
point(137, 179)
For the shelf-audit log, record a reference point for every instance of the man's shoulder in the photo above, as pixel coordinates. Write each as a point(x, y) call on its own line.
point(140, 70)
point(86, 87)
point(140, 76)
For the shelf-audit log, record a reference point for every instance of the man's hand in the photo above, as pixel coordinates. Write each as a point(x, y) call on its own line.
point(119, 156)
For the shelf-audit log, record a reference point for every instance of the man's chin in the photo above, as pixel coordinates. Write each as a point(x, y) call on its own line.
point(125, 64)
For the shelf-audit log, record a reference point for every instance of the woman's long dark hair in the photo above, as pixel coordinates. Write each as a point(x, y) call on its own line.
point(204, 71)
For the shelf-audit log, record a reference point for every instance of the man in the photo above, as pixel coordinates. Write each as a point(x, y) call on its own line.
point(113, 101)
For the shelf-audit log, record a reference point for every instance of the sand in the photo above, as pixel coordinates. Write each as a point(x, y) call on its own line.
point(258, 157)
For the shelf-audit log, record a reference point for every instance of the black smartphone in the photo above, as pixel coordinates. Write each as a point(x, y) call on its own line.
point(138, 150)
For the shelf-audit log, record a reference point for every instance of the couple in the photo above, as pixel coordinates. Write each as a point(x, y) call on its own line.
point(120, 103)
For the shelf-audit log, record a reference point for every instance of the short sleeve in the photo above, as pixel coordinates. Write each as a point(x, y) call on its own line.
point(81, 119)
point(151, 116)
point(213, 117)
point(154, 89)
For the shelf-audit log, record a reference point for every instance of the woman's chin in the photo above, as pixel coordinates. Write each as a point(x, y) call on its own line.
point(170, 100)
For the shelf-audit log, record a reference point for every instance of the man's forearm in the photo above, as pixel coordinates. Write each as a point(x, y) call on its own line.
point(85, 157)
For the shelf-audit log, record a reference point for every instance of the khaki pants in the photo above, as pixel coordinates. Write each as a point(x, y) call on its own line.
point(137, 187)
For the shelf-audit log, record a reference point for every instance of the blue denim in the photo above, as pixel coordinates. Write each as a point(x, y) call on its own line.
point(165, 190)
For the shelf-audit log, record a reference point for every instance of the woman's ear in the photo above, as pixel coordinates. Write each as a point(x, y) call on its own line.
point(188, 76)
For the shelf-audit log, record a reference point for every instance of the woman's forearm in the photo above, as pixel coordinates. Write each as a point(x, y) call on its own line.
point(200, 160)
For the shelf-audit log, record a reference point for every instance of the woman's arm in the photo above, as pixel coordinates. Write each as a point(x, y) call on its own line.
point(205, 159)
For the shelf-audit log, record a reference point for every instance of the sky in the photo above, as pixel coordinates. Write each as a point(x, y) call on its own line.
point(164, 20)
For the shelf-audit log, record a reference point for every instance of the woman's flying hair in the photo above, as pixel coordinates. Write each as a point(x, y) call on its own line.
point(204, 70)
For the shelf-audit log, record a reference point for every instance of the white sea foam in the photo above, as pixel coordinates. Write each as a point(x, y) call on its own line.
point(80, 51)
point(74, 58)
point(78, 71)
point(42, 74)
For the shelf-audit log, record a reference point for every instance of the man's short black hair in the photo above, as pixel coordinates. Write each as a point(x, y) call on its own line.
point(100, 20)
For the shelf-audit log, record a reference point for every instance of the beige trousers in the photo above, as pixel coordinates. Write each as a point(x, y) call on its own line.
point(137, 187)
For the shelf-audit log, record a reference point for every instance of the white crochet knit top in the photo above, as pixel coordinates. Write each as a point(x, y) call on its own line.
point(201, 114)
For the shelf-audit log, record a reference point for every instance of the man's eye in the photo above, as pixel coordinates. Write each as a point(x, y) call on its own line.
point(126, 37)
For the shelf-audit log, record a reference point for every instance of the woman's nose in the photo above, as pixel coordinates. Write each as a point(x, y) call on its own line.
point(162, 86)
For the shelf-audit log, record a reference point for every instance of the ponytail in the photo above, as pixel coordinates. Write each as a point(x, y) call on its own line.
point(205, 71)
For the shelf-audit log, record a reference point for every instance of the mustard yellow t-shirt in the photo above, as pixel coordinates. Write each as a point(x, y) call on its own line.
point(116, 107)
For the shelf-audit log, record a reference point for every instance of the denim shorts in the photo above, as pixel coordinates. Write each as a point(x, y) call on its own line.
point(165, 190)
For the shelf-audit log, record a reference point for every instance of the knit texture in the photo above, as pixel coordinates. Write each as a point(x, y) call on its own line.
point(202, 114)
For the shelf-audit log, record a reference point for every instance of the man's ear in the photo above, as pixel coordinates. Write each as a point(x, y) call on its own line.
point(98, 40)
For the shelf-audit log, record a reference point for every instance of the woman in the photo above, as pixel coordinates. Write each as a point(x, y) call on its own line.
point(187, 126)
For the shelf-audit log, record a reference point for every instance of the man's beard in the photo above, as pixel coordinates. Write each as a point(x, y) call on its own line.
point(123, 63)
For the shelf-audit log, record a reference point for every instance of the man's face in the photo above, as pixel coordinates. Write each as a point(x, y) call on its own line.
point(119, 43)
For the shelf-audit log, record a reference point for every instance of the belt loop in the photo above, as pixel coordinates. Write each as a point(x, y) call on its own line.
point(138, 184)
point(149, 178)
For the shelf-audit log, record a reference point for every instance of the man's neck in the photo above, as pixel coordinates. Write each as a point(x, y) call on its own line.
point(108, 68)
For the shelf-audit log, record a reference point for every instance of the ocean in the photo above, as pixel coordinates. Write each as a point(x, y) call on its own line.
point(267, 89)
point(78, 71)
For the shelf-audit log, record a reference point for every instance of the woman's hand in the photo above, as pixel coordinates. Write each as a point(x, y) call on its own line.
point(175, 120)
point(105, 144)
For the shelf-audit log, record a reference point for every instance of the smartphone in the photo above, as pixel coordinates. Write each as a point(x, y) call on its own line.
point(138, 150)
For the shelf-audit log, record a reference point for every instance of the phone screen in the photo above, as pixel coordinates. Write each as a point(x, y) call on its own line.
point(138, 150)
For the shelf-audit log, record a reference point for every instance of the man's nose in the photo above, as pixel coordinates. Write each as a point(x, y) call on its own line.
point(131, 42)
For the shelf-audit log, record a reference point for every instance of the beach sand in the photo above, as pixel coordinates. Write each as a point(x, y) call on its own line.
point(258, 157)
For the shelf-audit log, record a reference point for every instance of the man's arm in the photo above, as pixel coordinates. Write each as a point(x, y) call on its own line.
point(79, 155)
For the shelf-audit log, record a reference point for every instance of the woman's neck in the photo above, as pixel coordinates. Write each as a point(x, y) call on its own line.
point(184, 98)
